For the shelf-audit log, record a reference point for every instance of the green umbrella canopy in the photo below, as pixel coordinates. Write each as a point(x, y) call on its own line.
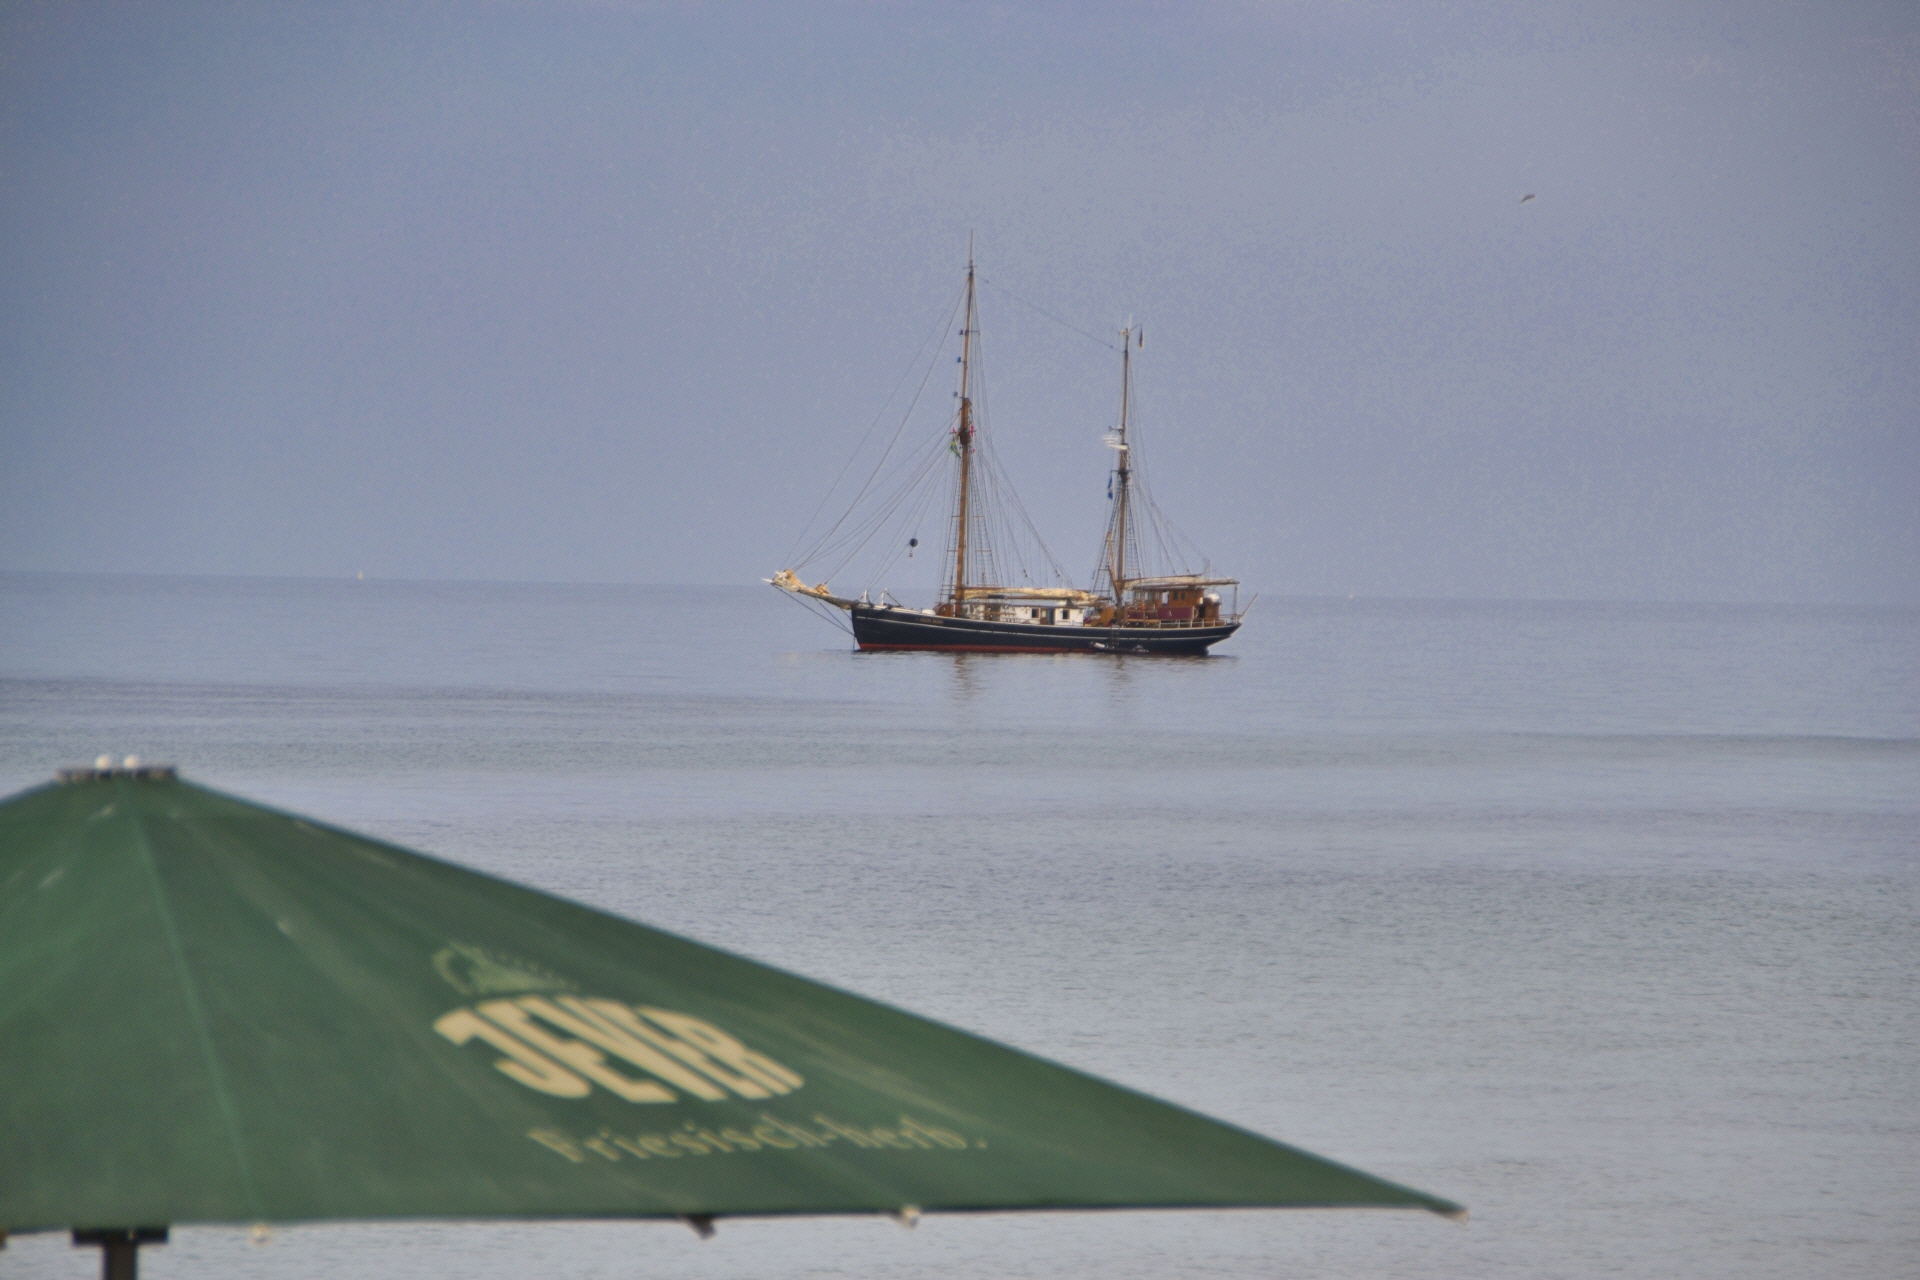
point(214, 1012)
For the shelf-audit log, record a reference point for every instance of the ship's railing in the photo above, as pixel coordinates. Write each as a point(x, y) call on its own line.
point(1170, 624)
point(986, 613)
point(1135, 624)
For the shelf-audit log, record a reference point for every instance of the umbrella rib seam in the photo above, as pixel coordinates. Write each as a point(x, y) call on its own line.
point(191, 993)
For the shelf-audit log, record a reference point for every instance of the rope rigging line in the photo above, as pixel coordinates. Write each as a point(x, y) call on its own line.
point(914, 520)
point(1000, 288)
point(1001, 499)
point(921, 482)
point(1013, 539)
point(919, 467)
point(1148, 525)
point(1177, 550)
point(822, 610)
point(814, 552)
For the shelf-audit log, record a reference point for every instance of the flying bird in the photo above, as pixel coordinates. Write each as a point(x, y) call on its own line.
point(1526, 197)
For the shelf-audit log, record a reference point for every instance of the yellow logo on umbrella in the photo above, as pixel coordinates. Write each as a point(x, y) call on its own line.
point(565, 1045)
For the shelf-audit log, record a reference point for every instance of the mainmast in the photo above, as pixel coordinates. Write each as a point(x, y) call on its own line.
point(1117, 537)
point(963, 443)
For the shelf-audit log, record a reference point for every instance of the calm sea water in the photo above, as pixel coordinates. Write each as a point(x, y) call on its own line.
point(1601, 919)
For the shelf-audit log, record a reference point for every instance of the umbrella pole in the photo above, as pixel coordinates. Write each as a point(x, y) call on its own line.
point(119, 1247)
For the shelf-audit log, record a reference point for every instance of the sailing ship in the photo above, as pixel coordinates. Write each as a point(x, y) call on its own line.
point(1133, 609)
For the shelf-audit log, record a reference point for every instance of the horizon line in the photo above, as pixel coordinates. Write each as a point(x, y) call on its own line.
point(1355, 597)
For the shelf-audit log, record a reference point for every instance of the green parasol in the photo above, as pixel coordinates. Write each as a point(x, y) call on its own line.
point(214, 1012)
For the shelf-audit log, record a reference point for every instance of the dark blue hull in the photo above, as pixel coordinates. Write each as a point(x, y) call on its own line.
point(877, 627)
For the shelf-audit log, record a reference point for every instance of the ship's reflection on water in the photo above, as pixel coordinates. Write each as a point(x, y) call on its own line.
point(981, 678)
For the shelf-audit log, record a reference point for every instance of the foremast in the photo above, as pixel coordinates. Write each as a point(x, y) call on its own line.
point(963, 445)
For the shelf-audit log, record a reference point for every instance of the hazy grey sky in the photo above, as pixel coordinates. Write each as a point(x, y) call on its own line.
point(605, 291)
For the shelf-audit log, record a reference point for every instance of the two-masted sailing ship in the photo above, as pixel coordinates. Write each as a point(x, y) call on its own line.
point(1136, 607)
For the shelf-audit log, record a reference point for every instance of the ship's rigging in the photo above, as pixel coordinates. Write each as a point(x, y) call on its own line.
point(997, 571)
point(990, 539)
